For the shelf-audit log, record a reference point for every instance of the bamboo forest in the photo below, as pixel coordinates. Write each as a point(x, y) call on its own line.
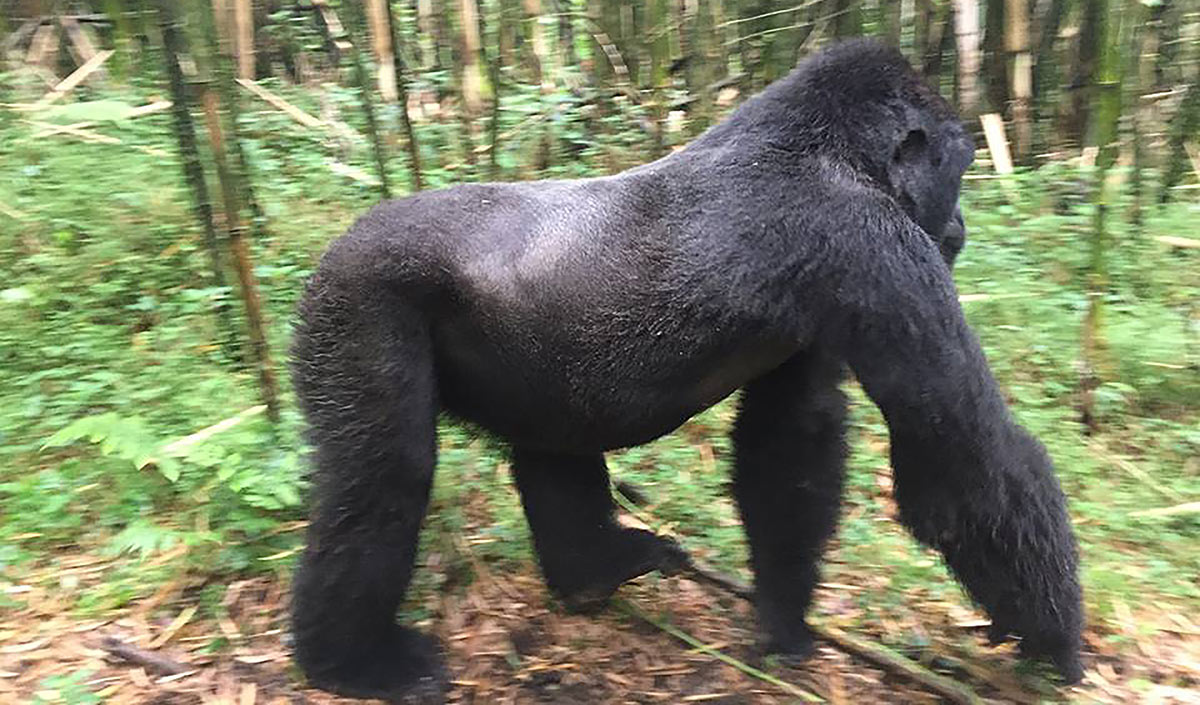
point(680, 351)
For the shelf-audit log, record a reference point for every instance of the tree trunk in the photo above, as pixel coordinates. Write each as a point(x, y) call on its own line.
point(537, 41)
point(379, 25)
point(193, 169)
point(846, 18)
point(1137, 16)
point(244, 20)
point(362, 81)
point(966, 33)
point(891, 10)
point(241, 258)
point(428, 29)
point(1103, 133)
point(472, 72)
point(1183, 129)
point(223, 65)
point(400, 76)
point(1021, 74)
point(566, 33)
point(995, 61)
point(1076, 118)
point(939, 41)
point(1046, 94)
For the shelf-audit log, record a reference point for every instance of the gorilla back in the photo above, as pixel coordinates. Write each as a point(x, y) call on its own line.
point(812, 229)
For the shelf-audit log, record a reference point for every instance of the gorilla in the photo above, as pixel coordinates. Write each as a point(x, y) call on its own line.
point(812, 230)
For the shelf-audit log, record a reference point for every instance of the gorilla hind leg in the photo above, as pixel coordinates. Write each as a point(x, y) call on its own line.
point(789, 455)
point(584, 554)
point(363, 371)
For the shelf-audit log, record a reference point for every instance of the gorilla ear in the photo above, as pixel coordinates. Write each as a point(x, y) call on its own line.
point(913, 149)
point(910, 161)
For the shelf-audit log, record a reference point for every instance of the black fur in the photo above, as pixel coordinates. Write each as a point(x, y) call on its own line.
point(811, 229)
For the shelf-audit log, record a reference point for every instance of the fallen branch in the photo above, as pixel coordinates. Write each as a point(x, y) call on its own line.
point(1134, 471)
point(789, 688)
point(333, 26)
point(140, 657)
point(969, 298)
point(351, 172)
point(177, 446)
point(12, 212)
point(730, 585)
point(1186, 508)
point(48, 129)
point(1186, 243)
point(875, 653)
point(1191, 150)
point(94, 137)
point(77, 76)
point(282, 105)
point(881, 655)
point(21, 32)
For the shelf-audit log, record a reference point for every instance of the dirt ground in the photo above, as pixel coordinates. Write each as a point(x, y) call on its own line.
point(507, 642)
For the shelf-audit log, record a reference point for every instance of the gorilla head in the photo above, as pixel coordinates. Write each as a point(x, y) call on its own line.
point(861, 101)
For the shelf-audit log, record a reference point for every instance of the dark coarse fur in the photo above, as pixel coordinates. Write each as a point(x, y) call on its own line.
point(811, 230)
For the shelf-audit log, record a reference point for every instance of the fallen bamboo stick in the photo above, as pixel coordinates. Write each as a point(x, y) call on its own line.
point(141, 657)
point(1186, 243)
point(290, 110)
point(147, 109)
point(875, 653)
point(1185, 508)
point(77, 76)
point(789, 688)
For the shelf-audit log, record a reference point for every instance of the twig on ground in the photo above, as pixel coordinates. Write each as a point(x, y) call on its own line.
point(789, 688)
point(1134, 471)
point(730, 585)
point(182, 444)
point(12, 212)
point(93, 137)
point(282, 105)
point(69, 83)
point(1186, 508)
point(875, 653)
point(140, 657)
point(148, 109)
point(881, 655)
point(1186, 243)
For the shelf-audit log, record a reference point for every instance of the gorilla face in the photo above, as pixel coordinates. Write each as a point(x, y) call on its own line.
point(925, 172)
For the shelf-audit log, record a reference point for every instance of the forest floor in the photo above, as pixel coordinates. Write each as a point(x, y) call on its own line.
point(507, 642)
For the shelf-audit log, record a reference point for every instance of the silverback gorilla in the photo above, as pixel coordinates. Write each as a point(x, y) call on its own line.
point(812, 229)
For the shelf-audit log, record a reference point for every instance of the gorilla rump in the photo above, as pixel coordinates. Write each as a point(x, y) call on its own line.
point(810, 230)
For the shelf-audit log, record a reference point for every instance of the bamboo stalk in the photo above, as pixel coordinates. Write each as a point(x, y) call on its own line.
point(410, 137)
point(241, 256)
point(244, 23)
point(193, 170)
point(363, 83)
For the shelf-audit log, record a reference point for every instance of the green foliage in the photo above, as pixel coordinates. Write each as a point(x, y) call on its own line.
point(67, 689)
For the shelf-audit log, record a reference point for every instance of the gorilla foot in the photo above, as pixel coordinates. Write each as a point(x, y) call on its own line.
point(405, 667)
point(793, 646)
point(1065, 658)
point(628, 554)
